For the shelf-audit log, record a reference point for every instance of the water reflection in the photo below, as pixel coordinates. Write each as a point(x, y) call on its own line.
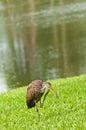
point(37, 43)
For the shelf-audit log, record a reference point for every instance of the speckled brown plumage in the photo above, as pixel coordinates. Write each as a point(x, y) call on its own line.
point(34, 93)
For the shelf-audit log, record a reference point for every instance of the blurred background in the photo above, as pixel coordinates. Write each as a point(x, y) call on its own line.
point(41, 40)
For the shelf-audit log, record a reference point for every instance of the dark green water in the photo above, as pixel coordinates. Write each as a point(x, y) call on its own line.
point(41, 40)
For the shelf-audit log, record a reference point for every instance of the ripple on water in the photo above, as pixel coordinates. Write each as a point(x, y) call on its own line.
point(44, 18)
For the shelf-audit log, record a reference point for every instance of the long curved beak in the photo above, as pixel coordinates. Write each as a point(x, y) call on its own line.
point(53, 91)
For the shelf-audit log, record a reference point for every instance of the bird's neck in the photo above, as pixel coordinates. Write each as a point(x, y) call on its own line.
point(43, 89)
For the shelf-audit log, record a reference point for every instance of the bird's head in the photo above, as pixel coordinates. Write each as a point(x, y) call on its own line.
point(49, 86)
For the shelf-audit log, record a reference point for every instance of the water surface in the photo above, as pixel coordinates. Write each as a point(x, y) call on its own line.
point(41, 40)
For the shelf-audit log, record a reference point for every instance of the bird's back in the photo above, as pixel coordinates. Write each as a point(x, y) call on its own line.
point(33, 93)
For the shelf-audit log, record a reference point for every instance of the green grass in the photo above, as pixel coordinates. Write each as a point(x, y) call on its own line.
point(66, 113)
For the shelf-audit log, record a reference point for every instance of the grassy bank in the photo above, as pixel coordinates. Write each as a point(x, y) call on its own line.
point(65, 113)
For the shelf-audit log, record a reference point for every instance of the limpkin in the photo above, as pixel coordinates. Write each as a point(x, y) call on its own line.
point(35, 91)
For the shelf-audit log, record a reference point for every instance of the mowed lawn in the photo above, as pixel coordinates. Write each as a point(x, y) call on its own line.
point(66, 113)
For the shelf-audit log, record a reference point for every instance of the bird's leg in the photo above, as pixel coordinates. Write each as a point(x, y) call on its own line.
point(37, 109)
point(42, 103)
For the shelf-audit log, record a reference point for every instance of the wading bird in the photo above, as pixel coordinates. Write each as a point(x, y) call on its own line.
point(35, 91)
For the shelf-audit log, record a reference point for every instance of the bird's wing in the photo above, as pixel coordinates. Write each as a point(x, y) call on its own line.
point(30, 97)
point(30, 91)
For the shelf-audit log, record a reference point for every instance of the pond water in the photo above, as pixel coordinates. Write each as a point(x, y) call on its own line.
point(41, 40)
